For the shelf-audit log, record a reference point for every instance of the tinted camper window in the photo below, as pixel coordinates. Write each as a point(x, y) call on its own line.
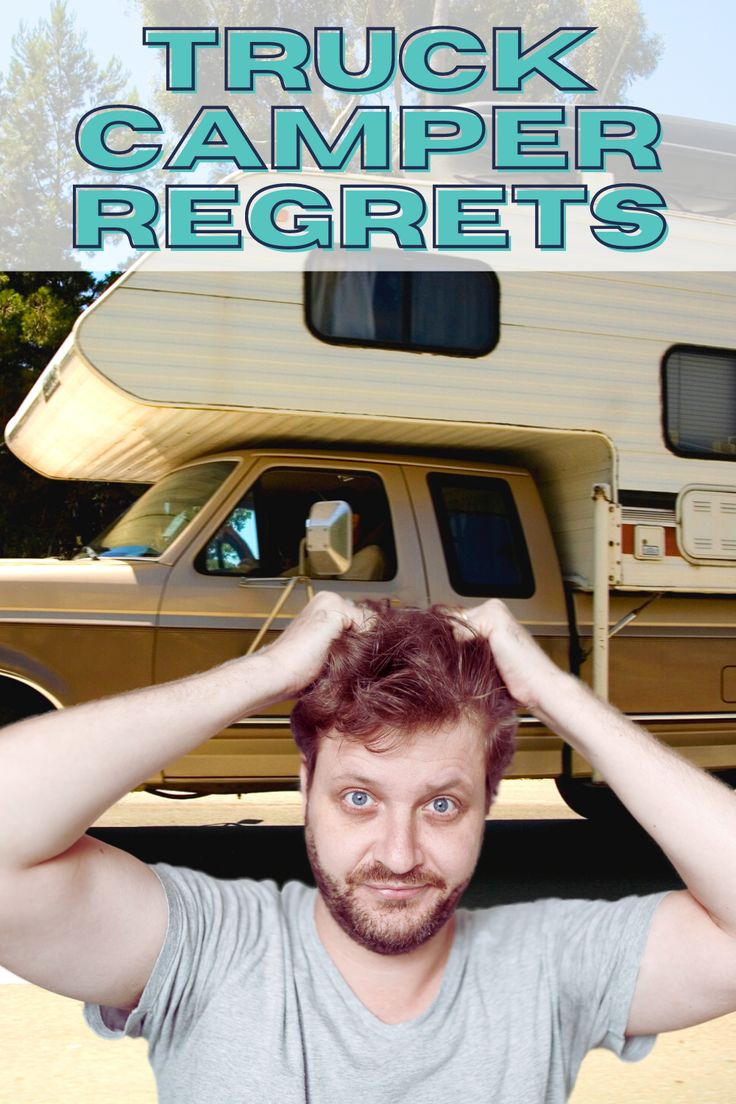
point(455, 312)
point(481, 534)
point(700, 402)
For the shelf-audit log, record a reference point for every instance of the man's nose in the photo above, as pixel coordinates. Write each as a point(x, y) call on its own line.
point(398, 847)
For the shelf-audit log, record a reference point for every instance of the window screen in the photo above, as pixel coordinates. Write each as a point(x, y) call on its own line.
point(455, 312)
point(482, 537)
point(700, 402)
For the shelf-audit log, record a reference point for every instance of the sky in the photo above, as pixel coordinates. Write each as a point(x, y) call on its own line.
point(696, 76)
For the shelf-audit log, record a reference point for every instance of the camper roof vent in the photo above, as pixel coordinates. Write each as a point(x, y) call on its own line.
point(706, 519)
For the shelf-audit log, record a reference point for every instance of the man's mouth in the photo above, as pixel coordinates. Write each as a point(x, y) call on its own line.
point(395, 892)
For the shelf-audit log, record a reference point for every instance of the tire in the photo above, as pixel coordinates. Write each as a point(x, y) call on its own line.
point(18, 701)
point(727, 776)
point(593, 800)
point(597, 802)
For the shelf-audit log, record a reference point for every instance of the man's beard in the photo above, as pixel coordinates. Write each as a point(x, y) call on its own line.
point(393, 926)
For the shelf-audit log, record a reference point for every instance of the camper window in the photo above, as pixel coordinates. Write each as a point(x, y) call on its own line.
point(445, 311)
point(261, 537)
point(699, 400)
point(482, 537)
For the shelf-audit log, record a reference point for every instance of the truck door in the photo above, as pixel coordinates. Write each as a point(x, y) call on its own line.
point(215, 601)
point(485, 534)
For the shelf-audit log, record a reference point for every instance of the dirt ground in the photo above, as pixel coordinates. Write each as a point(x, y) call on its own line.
point(49, 1056)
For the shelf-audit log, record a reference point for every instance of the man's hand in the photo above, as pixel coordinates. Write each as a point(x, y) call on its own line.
point(531, 677)
point(299, 653)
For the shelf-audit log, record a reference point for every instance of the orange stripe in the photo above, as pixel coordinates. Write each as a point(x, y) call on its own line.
point(670, 540)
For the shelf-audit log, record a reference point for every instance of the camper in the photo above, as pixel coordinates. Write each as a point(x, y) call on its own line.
point(563, 440)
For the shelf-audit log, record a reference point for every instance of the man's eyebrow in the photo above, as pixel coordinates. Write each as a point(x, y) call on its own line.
point(452, 782)
point(355, 780)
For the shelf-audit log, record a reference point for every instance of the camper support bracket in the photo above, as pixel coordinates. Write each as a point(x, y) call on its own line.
point(602, 509)
point(602, 506)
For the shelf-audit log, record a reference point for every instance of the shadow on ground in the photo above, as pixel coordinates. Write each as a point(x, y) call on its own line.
point(520, 860)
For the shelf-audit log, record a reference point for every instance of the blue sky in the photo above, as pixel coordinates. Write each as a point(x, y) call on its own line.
point(695, 77)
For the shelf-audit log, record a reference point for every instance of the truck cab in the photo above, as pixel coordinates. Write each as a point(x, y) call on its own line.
point(188, 575)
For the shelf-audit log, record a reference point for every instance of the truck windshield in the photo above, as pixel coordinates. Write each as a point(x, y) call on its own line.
point(149, 526)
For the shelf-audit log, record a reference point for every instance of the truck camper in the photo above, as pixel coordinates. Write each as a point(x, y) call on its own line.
point(564, 440)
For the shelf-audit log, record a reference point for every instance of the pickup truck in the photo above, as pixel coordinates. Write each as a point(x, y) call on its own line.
point(190, 573)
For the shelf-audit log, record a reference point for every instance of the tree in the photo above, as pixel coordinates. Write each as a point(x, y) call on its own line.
point(621, 50)
point(41, 517)
point(51, 81)
point(252, 111)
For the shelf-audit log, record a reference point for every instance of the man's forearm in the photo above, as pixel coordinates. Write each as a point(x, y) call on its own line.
point(691, 815)
point(60, 771)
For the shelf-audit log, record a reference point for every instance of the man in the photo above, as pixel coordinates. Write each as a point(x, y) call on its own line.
point(374, 984)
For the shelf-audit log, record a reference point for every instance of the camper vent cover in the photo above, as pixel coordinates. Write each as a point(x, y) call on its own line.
point(707, 524)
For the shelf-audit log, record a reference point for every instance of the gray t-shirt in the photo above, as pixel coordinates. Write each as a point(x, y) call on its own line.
point(245, 1005)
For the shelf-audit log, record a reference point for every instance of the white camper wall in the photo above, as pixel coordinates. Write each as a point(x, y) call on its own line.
point(580, 352)
point(167, 366)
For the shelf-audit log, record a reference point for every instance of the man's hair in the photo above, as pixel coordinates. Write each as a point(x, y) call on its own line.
point(407, 670)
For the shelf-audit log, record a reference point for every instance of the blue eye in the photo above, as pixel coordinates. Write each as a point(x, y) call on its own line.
point(357, 799)
point(443, 805)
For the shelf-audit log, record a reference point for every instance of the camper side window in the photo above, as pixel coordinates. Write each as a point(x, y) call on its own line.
point(699, 387)
point(450, 312)
point(261, 536)
point(482, 537)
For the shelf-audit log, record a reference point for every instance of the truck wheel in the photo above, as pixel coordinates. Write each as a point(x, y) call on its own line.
point(597, 801)
point(594, 800)
point(18, 701)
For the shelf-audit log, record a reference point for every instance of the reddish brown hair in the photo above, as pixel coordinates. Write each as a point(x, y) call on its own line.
point(408, 669)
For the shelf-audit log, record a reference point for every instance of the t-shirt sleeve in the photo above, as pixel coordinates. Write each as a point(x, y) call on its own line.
point(211, 925)
point(596, 952)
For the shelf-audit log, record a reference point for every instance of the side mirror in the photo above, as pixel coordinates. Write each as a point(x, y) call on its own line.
point(329, 538)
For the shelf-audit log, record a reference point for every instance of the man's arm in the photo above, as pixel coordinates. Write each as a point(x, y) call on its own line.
point(688, 972)
point(78, 916)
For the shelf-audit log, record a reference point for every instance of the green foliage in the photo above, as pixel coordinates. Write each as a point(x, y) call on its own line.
point(41, 517)
point(52, 79)
point(621, 50)
point(253, 112)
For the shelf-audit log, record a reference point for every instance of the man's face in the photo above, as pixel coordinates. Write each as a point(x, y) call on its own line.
point(393, 837)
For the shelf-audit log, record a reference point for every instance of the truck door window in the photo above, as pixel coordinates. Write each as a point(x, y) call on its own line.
point(455, 312)
point(700, 402)
point(261, 536)
point(481, 534)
